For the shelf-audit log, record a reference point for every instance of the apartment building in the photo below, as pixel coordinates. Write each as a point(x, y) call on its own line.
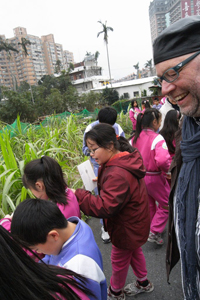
point(162, 13)
point(68, 59)
point(87, 75)
point(43, 53)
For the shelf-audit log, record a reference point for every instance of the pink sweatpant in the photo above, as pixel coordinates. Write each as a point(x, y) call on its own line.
point(121, 259)
point(158, 191)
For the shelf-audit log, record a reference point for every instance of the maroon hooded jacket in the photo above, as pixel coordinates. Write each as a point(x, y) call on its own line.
point(122, 201)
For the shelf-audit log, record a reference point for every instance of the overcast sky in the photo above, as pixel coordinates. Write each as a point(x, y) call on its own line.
point(74, 24)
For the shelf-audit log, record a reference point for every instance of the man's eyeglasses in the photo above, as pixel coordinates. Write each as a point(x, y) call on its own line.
point(93, 150)
point(170, 75)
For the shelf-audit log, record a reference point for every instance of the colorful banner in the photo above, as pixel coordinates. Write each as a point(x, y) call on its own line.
point(197, 7)
point(186, 8)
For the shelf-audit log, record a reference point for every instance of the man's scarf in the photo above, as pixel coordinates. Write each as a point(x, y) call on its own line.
point(187, 204)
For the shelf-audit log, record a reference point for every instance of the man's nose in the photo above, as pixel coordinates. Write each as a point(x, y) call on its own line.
point(167, 87)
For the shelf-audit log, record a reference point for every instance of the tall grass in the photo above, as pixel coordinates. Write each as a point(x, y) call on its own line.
point(61, 139)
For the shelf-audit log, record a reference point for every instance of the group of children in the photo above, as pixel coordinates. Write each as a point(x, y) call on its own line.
point(157, 148)
point(131, 179)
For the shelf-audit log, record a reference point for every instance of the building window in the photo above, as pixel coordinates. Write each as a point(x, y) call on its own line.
point(126, 95)
point(136, 94)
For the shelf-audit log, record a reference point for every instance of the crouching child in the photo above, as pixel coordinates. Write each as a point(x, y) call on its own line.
point(66, 243)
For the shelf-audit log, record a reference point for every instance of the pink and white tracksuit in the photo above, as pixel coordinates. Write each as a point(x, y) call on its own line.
point(156, 157)
point(133, 113)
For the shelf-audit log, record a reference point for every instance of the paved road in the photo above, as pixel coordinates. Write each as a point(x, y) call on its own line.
point(155, 259)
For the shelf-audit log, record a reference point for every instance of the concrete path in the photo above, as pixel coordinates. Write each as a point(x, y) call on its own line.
point(155, 259)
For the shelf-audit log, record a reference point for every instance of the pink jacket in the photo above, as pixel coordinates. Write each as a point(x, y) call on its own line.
point(78, 292)
point(133, 113)
point(154, 151)
point(71, 209)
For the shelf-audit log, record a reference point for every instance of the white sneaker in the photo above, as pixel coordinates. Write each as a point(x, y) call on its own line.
point(105, 236)
point(133, 289)
point(155, 238)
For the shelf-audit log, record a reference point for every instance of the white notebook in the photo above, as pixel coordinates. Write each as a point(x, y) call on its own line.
point(87, 174)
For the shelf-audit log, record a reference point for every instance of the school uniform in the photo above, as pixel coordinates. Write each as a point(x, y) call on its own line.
point(156, 157)
point(81, 254)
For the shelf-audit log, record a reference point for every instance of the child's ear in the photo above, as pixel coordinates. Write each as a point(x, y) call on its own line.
point(111, 146)
point(155, 122)
point(39, 186)
point(53, 234)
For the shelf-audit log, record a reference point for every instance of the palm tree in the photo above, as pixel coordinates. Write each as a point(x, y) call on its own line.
point(96, 56)
point(88, 53)
point(8, 47)
point(149, 65)
point(105, 32)
point(24, 43)
point(137, 68)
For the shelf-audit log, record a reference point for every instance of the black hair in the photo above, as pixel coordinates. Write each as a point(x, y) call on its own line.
point(107, 115)
point(22, 278)
point(145, 120)
point(33, 219)
point(49, 171)
point(132, 103)
point(146, 104)
point(170, 126)
point(104, 135)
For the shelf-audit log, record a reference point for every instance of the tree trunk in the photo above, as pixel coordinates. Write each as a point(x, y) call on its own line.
point(108, 64)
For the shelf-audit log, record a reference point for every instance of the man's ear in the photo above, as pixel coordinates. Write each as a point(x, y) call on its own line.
point(39, 186)
point(53, 234)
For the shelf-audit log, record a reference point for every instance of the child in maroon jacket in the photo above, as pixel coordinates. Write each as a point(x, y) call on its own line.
point(123, 204)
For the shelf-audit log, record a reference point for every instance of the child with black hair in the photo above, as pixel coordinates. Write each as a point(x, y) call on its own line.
point(155, 154)
point(156, 103)
point(44, 178)
point(145, 104)
point(43, 228)
point(170, 127)
point(133, 113)
point(123, 204)
point(22, 278)
point(106, 115)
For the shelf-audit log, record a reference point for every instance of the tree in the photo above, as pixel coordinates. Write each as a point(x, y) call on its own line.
point(149, 65)
point(24, 87)
point(105, 32)
point(70, 68)
point(89, 101)
point(24, 43)
point(137, 68)
point(110, 96)
point(58, 67)
point(8, 47)
point(17, 104)
point(156, 87)
point(96, 56)
point(88, 53)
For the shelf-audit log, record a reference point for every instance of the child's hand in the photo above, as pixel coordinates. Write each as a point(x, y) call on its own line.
point(8, 217)
point(95, 179)
point(73, 190)
point(168, 175)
